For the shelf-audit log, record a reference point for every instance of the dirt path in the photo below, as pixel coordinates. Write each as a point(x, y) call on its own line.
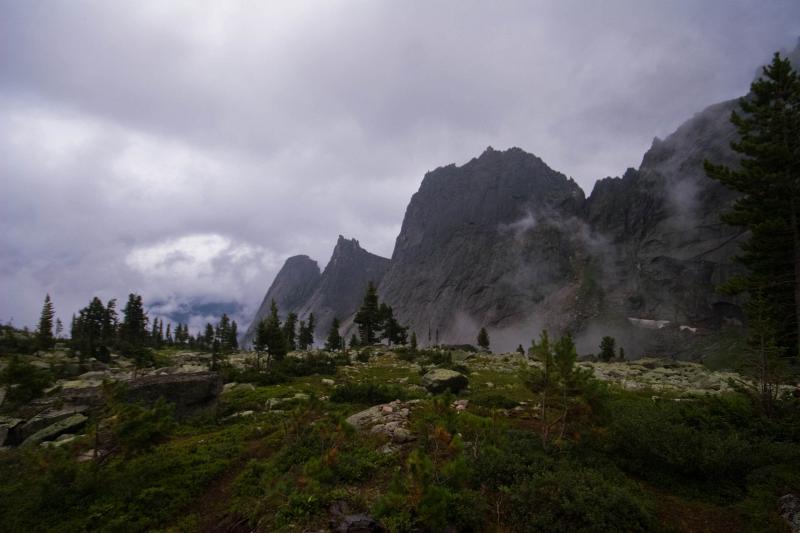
point(212, 506)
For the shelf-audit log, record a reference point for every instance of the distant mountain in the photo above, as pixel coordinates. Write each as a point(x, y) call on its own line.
point(293, 286)
point(508, 243)
point(336, 293)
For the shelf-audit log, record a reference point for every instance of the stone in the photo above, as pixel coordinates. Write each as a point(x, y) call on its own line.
point(357, 523)
point(66, 425)
point(789, 505)
point(328, 382)
point(2, 395)
point(442, 379)
point(7, 429)
point(47, 418)
point(188, 392)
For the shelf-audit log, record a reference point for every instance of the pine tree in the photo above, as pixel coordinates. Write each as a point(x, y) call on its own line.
point(133, 329)
point(607, 348)
point(334, 341)
point(276, 341)
point(520, 350)
point(260, 342)
point(168, 338)
point(208, 337)
point(59, 328)
point(289, 331)
point(44, 334)
point(769, 208)
point(305, 338)
point(354, 342)
point(413, 341)
point(483, 339)
point(368, 316)
point(233, 341)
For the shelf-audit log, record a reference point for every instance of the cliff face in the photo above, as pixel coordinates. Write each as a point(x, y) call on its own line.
point(293, 286)
point(669, 248)
point(342, 285)
point(483, 243)
point(300, 288)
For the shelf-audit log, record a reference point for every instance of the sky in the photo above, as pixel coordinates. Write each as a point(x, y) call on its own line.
point(183, 150)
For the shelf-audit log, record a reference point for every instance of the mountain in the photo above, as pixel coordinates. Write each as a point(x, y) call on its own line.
point(343, 284)
point(293, 285)
point(483, 244)
point(336, 293)
point(508, 243)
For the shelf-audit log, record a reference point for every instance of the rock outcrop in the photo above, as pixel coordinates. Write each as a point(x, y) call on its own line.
point(293, 286)
point(443, 379)
point(336, 293)
point(484, 244)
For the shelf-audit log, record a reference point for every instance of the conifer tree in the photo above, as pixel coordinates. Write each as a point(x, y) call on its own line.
point(607, 348)
point(233, 341)
point(334, 341)
point(368, 316)
point(44, 334)
point(134, 323)
point(354, 342)
point(483, 339)
point(290, 331)
point(276, 341)
point(769, 208)
point(413, 341)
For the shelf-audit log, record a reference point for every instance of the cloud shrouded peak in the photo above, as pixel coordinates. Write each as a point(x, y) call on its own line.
point(184, 149)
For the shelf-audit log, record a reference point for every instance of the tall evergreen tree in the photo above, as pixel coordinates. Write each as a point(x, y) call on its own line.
point(275, 339)
point(133, 330)
point(483, 339)
point(233, 340)
point(334, 341)
point(305, 338)
point(769, 208)
point(368, 316)
point(44, 334)
point(290, 331)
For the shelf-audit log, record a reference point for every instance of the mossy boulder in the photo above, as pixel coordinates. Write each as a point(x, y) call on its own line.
point(442, 379)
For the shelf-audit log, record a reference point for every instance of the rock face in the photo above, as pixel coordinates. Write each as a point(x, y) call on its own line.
point(292, 287)
point(483, 244)
point(668, 248)
point(336, 293)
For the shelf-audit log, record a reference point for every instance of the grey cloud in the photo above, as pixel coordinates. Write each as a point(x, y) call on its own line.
point(278, 126)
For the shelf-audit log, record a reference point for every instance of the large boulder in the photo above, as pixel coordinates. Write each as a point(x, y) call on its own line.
point(7, 429)
point(66, 425)
point(46, 419)
point(188, 392)
point(442, 379)
point(389, 420)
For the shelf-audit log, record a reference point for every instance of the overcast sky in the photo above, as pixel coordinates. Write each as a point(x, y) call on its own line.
point(183, 150)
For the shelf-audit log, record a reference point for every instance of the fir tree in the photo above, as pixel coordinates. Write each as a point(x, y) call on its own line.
point(607, 348)
point(413, 341)
point(769, 208)
point(483, 339)
point(133, 330)
point(233, 340)
point(368, 316)
point(44, 334)
point(354, 341)
point(276, 341)
point(290, 331)
point(334, 341)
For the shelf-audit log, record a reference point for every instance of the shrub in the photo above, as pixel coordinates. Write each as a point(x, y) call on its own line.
point(26, 381)
point(139, 428)
point(367, 393)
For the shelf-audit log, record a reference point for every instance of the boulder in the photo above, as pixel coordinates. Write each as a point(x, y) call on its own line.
point(389, 420)
point(66, 425)
point(357, 523)
point(188, 392)
point(790, 511)
point(7, 429)
point(45, 419)
point(442, 379)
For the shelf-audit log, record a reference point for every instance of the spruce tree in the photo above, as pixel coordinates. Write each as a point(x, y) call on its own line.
point(290, 331)
point(368, 316)
point(769, 208)
point(607, 348)
point(44, 334)
point(334, 341)
point(133, 329)
point(233, 341)
point(483, 339)
point(354, 342)
point(276, 341)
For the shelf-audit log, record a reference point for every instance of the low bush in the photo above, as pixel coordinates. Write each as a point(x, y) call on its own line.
point(367, 393)
point(26, 381)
